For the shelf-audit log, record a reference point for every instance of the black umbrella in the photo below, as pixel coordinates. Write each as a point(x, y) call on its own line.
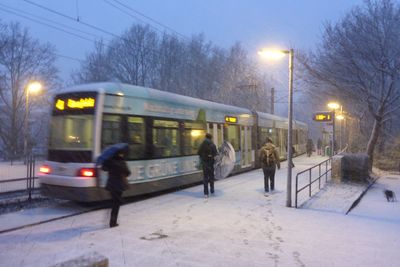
point(110, 151)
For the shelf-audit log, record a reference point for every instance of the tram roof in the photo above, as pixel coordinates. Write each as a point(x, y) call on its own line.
point(128, 90)
point(149, 93)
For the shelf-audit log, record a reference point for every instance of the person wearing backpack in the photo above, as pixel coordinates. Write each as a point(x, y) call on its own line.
point(207, 152)
point(269, 159)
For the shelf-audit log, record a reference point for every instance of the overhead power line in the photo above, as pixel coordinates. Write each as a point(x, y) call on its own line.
point(152, 50)
point(147, 17)
point(71, 58)
point(71, 18)
point(35, 18)
point(155, 52)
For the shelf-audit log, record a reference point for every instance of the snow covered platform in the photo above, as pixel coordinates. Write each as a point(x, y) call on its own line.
point(237, 226)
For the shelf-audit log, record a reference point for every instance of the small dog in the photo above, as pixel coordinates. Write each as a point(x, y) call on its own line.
point(390, 195)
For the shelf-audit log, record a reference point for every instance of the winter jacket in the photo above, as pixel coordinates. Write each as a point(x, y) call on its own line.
point(118, 172)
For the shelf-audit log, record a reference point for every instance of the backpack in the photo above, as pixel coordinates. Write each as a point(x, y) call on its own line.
point(206, 151)
point(268, 156)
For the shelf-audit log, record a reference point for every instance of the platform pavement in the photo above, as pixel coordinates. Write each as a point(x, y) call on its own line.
point(237, 226)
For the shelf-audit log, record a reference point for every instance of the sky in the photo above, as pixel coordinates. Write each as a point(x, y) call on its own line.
point(254, 23)
point(237, 226)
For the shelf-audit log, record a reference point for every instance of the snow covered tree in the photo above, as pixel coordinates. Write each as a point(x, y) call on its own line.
point(22, 59)
point(96, 67)
point(192, 67)
point(358, 61)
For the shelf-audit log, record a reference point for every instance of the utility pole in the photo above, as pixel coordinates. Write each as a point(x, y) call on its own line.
point(272, 100)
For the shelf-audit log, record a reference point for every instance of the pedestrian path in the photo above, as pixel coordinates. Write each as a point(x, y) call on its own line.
point(237, 226)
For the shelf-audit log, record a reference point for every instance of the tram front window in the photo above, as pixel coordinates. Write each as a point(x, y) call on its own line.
point(71, 132)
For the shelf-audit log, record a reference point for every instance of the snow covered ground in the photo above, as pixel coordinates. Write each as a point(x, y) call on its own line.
point(238, 226)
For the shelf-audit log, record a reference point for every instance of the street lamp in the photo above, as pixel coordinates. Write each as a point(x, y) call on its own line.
point(340, 117)
point(32, 87)
point(334, 106)
point(277, 54)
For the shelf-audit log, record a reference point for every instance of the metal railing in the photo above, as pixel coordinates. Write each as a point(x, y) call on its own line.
point(310, 181)
point(12, 178)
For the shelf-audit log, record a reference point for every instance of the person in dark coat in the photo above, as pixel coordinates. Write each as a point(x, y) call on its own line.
point(269, 159)
point(319, 146)
point(309, 147)
point(117, 182)
point(207, 152)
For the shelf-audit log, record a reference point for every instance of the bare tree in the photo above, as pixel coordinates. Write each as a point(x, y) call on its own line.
point(22, 59)
point(96, 67)
point(191, 67)
point(359, 61)
point(171, 63)
point(133, 57)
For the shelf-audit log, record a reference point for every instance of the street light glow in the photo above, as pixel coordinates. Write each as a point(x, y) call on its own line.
point(339, 117)
point(333, 105)
point(274, 54)
point(34, 87)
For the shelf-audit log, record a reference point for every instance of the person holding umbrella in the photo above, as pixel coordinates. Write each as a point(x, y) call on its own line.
point(112, 161)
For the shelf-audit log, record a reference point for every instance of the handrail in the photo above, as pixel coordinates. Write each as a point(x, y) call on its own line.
point(309, 170)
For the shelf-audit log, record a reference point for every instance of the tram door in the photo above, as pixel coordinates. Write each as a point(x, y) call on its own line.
point(245, 146)
point(217, 132)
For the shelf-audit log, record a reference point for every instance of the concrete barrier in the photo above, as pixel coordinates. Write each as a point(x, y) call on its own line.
point(350, 167)
point(89, 260)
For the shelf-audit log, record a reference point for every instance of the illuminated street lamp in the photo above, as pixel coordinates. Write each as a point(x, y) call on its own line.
point(32, 87)
point(277, 54)
point(334, 106)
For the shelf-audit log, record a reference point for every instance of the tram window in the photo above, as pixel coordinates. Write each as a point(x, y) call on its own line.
point(136, 137)
point(294, 137)
point(268, 133)
point(111, 130)
point(232, 134)
point(71, 132)
point(193, 136)
point(166, 138)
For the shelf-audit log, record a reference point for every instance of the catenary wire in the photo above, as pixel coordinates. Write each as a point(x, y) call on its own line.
point(151, 19)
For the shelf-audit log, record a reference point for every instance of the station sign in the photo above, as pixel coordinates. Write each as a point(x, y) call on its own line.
point(322, 116)
point(230, 119)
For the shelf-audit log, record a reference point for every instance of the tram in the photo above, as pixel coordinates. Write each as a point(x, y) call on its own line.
point(163, 131)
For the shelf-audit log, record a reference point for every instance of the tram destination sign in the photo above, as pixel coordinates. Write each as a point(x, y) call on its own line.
point(322, 116)
point(75, 103)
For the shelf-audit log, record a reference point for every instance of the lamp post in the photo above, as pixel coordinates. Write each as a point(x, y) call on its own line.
point(334, 106)
point(276, 54)
point(32, 87)
point(340, 117)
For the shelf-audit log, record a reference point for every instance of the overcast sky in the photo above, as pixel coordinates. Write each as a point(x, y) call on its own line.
point(254, 23)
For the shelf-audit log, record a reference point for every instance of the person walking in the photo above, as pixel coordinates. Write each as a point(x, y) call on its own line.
point(207, 152)
point(117, 182)
point(319, 146)
point(269, 159)
point(309, 147)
